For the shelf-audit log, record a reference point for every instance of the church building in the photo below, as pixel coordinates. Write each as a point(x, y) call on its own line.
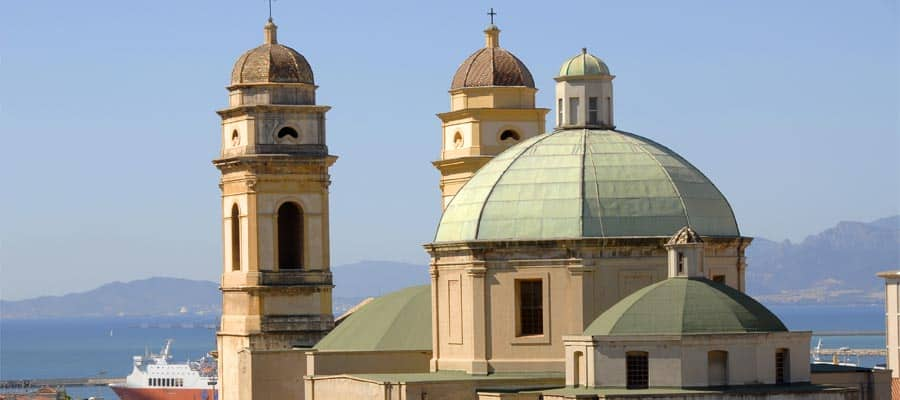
point(583, 263)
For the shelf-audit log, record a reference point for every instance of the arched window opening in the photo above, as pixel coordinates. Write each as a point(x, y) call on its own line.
point(290, 236)
point(680, 262)
point(717, 368)
point(235, 238)
point(782, 366)
point(458, 140)
point(287, 131)
point(637, 371)
point(577, 361)
point(235, 138)
point(509, 134)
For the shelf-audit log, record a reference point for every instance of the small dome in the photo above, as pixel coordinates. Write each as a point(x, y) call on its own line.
point(679, 306)
point(271, 63)
point(578, 183)
point(394, 322)
point(492, 66)
point(583, 64)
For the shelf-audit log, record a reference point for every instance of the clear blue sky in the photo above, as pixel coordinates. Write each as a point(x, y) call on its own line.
point(108, 123)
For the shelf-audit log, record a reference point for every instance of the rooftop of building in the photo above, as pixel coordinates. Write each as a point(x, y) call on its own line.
point(684, 306)
point(397, 321)
point(583, 183)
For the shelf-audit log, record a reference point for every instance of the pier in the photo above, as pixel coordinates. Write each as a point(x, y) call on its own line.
point(850, 352)
point(56, 382)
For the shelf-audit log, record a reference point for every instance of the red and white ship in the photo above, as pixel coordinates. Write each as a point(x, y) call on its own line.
point(154, 378)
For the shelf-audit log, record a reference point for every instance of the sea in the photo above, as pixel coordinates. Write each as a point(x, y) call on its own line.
point(103, 347)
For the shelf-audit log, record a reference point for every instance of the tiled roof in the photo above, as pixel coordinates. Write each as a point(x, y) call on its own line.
point(492, 66)
point(271, 63)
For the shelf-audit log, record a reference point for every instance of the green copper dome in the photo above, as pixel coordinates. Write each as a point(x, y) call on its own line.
point(397, 321)
point(579, 183)
point(584, 64)
point(678, 306)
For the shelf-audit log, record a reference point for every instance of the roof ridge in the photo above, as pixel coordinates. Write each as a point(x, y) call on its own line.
point(389, 332)
point(596, 184)
point(663, 168)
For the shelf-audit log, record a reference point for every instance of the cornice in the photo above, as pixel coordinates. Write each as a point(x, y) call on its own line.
point(247, 108)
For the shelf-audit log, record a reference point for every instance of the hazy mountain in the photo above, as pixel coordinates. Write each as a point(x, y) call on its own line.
point(153, 296)
point(836, 265)
point(171, 296)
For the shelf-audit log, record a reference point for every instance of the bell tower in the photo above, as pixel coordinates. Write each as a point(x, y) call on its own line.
point(276, 279)
point(492, 107)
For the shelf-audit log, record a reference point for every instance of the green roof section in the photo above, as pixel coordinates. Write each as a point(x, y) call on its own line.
point(398, 321)
point(679, 306)
point(577, 183)
point(583, 64)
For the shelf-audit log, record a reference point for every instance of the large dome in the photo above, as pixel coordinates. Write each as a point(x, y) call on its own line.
point(492, 66)
point(580, 183)
point(271, 63)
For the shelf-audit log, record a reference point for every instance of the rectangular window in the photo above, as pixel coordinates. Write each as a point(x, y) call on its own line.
point(781, 366)
point(680, 262)
point(573, 111)
point(637, 374)
point(592, 111)
point(559, 112)
point(531, 307)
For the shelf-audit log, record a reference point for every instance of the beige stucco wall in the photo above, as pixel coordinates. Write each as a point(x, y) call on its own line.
point(479, 116)
point(682, 361)
point(366, 362)
point(583, 89)
point(350, 387)
point(811, 395)
point(892, 319)
point(476, 332)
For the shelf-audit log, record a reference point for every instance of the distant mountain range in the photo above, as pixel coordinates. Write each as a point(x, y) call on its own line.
point(173, 296)
point(835, 266)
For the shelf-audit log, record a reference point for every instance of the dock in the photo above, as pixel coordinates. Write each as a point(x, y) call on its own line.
point(56, 382)
point(850, 352)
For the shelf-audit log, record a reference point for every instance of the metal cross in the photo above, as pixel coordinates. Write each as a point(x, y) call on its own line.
point(270, 10)
point(492, 14)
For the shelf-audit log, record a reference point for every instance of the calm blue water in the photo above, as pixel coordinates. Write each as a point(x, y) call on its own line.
point(75, 348)
point(71, 348)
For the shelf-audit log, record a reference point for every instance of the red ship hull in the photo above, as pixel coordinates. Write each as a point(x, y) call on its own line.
point(127, 393)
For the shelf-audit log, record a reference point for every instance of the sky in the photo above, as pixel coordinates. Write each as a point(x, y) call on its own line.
point(107, 116)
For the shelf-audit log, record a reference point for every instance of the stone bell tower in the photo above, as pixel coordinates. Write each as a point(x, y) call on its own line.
point(276, 279)
point(492, 108)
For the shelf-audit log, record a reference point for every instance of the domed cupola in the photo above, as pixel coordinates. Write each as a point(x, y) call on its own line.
point(584, 96)
point(492, 66)
point(584, 64)
point(271, 63)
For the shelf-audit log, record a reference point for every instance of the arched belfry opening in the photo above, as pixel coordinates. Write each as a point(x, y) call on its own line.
point(509, 134)
point(235, 238)
point(288, 132)
point(290, 236)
